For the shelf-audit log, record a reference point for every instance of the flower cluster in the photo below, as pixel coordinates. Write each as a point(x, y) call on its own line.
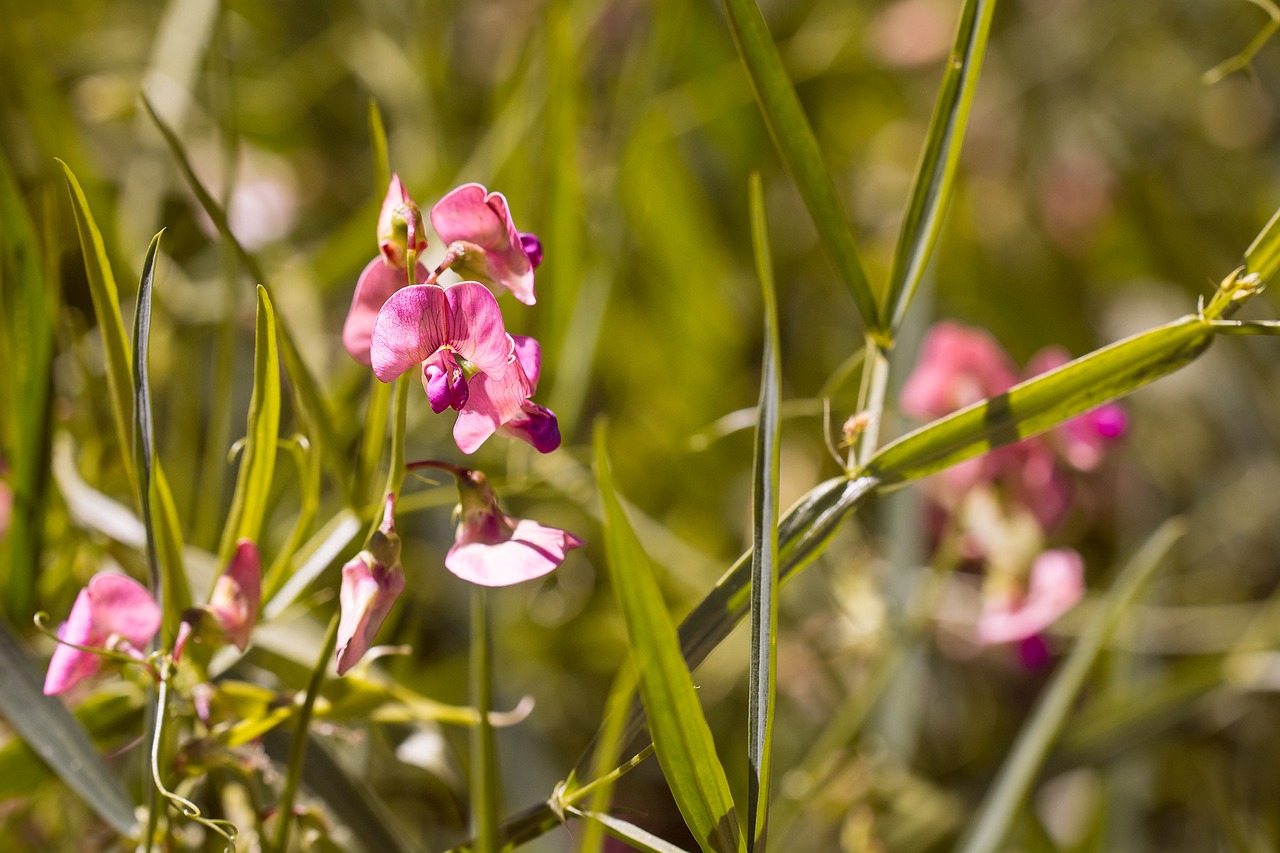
point(1001, 507)
point(455, 333)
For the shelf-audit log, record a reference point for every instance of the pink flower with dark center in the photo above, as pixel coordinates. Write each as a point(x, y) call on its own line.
point(112, 611)
point(400, 236)
point(1055, 586)
point(371, 583)
point(492, 548)
point(502, 405)
point(484, 243)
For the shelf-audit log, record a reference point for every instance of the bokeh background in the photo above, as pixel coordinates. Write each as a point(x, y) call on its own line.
point(1105, 185)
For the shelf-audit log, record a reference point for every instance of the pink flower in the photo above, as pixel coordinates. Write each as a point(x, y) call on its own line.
point(112, 611)
point(371, 583)
point(493, 549)
point(503, 405)
point(237, 593)
point(1083, 440)
point(1056, 584)
point(484, 243)
point(957, 366)
point(400, 235)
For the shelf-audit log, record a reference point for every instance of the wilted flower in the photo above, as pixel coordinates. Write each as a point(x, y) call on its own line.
point(371, 583)
point(484, 243)
point(493, 549)
point(400, 236)
point(112, 612)
point(1055, 585)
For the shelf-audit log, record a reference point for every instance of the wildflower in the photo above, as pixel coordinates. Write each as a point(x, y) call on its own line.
point(502, 405)
point(493, 549)
point(236, 594)
point(484, 243)
point(112, 612)
point(1055, 585)
point(401, 237)
point(371, 583)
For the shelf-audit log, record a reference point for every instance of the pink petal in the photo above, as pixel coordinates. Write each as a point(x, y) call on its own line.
point(237, 594)
point(475, 329)
point(472, 214)
point(366, 597)
point(397, 197)
point(1056, 584)
point(490, 404)
point(123, 606)
point(69, 666)
point(957, 366)
point(529, 354)
point(411, 325)
point(374, 287)
point(532, 551)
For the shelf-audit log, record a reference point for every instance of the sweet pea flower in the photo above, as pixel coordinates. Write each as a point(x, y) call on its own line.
point(502, 405)
point(114, 612)
point(401, 236)
point(237, 593)
point(492, 548)
point(483, 241)
point(371, 583)
point(1056, 584)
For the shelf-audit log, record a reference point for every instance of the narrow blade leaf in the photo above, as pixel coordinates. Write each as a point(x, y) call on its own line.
point(937, 170)
point(685, 748)
point(378, 142)
point(762, 676)
point(798, 148)
point(992, 821)
point(632, 835)
point(1044, 401)
point(48, 727)
point(252, 494)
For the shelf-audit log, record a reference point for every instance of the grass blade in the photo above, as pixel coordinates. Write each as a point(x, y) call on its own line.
point(798, 147)
point(27, 351)
point(936, 173)
point(992, 821)
point(252, 494)
point(378, 144)
point(106, 311)
point(762, 676)
point(685, 748)
point(1045, 401)
point(629, 833)
point(159, 516)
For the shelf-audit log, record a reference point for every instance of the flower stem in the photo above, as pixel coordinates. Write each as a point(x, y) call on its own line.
point(298, 749)
point(484, 770)
point(875, 383)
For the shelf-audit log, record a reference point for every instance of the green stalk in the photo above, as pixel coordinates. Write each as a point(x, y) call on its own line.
point(484, 759)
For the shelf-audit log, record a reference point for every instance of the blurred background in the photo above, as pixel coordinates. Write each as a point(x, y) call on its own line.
point(1105, 185)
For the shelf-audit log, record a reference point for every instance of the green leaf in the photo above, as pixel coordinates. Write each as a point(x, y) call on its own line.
point(607, 752)
point(26, 335)
point(992, 821)
point(378, 143)
point(1044, 401)
point(685, 748)
point(250, 501)
point(762, 675)
point(1263, 255)
point(106, 311)
point(45, 724)
point(634, 836)
point(936, 173)
point(798, 148)
point(159, 516)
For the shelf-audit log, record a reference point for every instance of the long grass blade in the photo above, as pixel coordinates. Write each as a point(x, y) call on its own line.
point(993, 819)
point(685, 748)
point(762, 675)
point(29, 315)
point(627, 832)
point(798, 148)
point(936, 173)
point(46, 725)
point(378, 145)
point(250, 501)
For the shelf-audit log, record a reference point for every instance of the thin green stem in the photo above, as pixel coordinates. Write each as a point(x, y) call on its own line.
point(298, 749)
point(875, 372)
point(484, 775)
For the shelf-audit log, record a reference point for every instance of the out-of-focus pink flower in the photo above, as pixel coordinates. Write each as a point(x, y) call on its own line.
point(1083, 440)
point(399, 231)
point(493, 549)
point(371, 583)
point(483, 241)
point(957, 366)
point(112, 611)
point(503, 405)
point(237, 593)
point(1055, 585)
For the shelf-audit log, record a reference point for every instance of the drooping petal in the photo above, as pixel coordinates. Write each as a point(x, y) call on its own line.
point(237, 594)
point(472, 214)
point(490, 404)
point(68, 666)
point(369, 590)
point(536, 425)
point(374, 287)
point(532, 551)
point(1056, 584)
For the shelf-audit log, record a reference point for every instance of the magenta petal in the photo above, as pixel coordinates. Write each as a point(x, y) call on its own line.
point(474, 327)
point(471, 214)
point(529, 355)
point(368, 592)
point(491, 403)
point(374, 287)
point(69, 666)
point(532, 551)
point(237, 594)
point(123, 606)
point(1056, 584)
point(532, 247)
point(411, 326)
point(536, 425)
point(957, 366)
